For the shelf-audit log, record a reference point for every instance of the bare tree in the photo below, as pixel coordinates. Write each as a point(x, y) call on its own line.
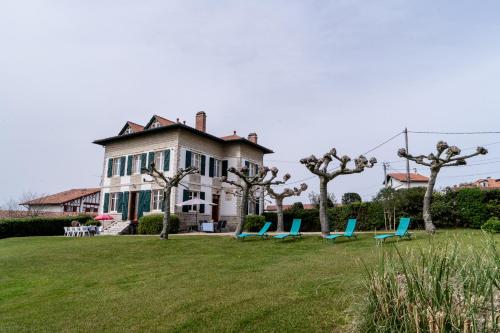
point(247, 184)
point(32, 202)
point(287, 192)
point(167, 183)
point(11, 206)
point(314, 198)
point(435, 162)
point(319, 167)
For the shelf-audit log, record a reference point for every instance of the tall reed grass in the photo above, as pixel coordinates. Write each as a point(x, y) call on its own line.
point(438, 289)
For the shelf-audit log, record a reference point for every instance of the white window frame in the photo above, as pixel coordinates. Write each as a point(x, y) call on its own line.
point(217, 168)
point(113, 202)
point(159, 163)
point(136, 164)
point(193, 195)
point(128, 130)
point(196, 160)
point(155, 124)
point(156, 198)
point(252, 169)
point(116, 167)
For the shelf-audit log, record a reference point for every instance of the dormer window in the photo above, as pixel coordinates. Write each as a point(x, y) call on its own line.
point(155, 124)
point(128, 130)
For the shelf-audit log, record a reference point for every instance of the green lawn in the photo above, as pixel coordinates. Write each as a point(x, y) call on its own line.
point(189, 283)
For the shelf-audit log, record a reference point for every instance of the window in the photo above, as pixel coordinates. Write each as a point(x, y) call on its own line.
point(159, 160)
point(217, 168)
point(252, 169)
point(116, 167)
point(157, 198)
point(136, 164)
point(113, 202)
point(128, 130)
point(196, 160)
point(155, 124)
point(194, 195)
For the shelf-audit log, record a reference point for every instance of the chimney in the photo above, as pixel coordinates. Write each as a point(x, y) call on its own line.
point(201, 121)
point(252, 137)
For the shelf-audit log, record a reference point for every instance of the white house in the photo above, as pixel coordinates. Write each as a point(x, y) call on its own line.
point(78, 200)
point(400, 180)
point(173, 145)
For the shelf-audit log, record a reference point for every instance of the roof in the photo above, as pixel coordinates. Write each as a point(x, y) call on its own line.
point(135, 127)
point(414, 177)
point(161, 120)
point(174, 126)
point(485, 183)
point(63, 197)
point(231, 137)
point(272, 208)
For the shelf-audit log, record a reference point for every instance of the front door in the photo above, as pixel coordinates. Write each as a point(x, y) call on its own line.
point(215, 207)
point(133, 206)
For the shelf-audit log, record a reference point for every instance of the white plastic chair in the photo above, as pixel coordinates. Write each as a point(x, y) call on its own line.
point(66, 231)
point(85, 230)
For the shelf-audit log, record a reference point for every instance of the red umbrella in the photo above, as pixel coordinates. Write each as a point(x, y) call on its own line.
point(103, 217)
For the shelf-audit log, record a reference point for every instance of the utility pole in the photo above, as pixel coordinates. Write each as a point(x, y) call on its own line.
point(385, 174)
point(407, 160)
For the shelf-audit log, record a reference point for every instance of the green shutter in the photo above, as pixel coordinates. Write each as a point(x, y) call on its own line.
point(129, 164)
point(140, 205)
point(144, 158)
point(110, 167)
point(202, 207)
point(119, 202)
point(211, 167)
point(188, 158)
point(224, 168)
point(123, 160)
point(105, 205)
point(166, 160)
point(125, 206)
point(151, 159)
point(202, 164)
point(147, 201)
point(185, 197)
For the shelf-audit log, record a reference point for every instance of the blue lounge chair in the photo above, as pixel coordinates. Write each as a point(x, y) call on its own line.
point(262, 233)
point(402, 231)
point(294, 231)
point(349, 231)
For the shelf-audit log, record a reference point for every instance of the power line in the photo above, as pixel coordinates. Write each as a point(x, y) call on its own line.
point(455, 133)
point(383, 143)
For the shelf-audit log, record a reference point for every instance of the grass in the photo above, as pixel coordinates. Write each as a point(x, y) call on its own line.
point(191, 284)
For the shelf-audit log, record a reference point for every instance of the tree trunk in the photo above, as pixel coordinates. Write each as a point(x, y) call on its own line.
point(280, 227)
point(429, 226)
point(243, 209)
point(166, 214)
point(323, 204)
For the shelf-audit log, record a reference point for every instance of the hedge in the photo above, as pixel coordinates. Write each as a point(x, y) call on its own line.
point(153, 223)
point(38, 226)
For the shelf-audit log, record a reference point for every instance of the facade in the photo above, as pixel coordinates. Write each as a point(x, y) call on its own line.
point(127, 194)
point(399, 180)
point(81, 200)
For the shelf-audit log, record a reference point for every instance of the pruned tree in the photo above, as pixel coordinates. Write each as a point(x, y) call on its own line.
point(167, 183)
point(319, 167)
point(446, 156)
point(279, 197)
point(247, 184)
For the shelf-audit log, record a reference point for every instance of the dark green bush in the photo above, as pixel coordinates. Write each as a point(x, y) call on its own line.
point(254, 223)
point(470, 207)
point(38, 226)
point(93, 222)
point(153, 223)
point(309, 217)
point(492, 225)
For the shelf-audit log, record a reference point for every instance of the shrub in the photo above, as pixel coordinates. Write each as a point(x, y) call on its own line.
point(436, 289)
point(153, 223)
point(470, 207)
point(309, 217)
point(93, 222)
point(38, 226)
point(254, 222)
point(492, 225)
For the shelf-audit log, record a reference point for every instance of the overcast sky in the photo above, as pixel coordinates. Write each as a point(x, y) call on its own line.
point(305, 75)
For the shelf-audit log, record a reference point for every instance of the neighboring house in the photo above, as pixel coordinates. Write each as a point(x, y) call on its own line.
point(78, 200)
point(272, 208)
point(399, 180)
point(127, 194)
point(485, 184)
